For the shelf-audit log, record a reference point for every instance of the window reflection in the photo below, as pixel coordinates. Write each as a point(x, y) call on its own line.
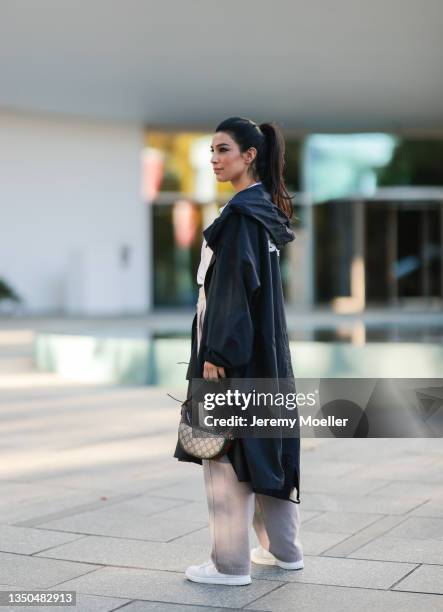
point(378, 214)
point(176, 236)
point(179, 185)
point(368, 218)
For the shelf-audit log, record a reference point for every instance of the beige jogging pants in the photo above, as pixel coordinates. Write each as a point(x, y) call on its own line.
point(233, 507)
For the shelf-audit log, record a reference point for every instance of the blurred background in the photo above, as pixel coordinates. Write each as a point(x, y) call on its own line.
point(106, 118)
point(107, 110)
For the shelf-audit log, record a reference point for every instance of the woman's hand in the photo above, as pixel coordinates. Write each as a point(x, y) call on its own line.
point(213, 372)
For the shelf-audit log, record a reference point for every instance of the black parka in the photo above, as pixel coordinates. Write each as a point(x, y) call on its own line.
point(244, 328)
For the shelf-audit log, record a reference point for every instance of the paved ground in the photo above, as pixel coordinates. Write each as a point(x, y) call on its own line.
point(92, 500)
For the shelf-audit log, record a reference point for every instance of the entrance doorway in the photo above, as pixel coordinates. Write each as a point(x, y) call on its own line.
point(403, 252)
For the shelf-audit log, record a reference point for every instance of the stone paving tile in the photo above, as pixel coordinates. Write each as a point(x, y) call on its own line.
point(145, 505)
point(84, 603)
point(37, 573)
point(14, 491)
point(360, 478)
point(339, 572)
point(186, 511)
point(424, 468)
point(94, 603)
point(200, 538)
point(386, 548)
point(113, 523)
point(169, 587)
point(418, 446)
point(306, 516)
point(344, 449)
point(191, 511)
point(39, 519)
point(49, 502)
point(425, 579)
point(26, 541)
point(313, 597)
point(191, 489)
point(342, 522)
point(359, 503)
point(356, 541)
point(419, 527)
point(431, 509)
point(315, 543)
point(174, 556)
point(423, 490)
point(331, 469)
point(106, 481)
point(157, 606)
point(357, 486)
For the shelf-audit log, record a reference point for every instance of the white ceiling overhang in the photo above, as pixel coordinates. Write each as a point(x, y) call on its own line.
point(311, 65)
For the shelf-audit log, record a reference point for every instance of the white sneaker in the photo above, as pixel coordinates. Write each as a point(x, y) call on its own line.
point(208, 574)
point(263, 557)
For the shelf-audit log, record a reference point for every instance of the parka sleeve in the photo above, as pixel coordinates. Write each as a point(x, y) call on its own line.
point(234, 283)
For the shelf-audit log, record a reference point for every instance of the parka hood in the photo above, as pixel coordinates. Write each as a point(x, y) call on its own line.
point(256, 203)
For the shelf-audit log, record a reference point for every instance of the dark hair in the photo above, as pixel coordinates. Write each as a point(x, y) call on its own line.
point(269, 162)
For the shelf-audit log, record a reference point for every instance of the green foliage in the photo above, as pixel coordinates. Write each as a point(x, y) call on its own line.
point(415, 162)
point(7, 293)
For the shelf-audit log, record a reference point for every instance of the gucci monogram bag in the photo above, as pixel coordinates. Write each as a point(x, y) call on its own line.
point(198, 442)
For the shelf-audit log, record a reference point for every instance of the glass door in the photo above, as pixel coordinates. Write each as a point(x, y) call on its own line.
point(403, 254)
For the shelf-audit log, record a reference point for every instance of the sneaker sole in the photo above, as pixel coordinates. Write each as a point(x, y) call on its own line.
point(226, 581)
point(283, 564)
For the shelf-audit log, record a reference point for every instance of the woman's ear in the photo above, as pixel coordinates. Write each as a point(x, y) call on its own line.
point(250, 155)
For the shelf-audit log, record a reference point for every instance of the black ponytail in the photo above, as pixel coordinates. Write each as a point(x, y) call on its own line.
point(269, 163)
point(271, 169)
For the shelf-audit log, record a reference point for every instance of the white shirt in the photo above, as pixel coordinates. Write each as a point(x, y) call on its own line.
point(206, 251)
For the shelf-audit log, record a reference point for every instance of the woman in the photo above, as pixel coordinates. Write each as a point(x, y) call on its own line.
point(239, 331)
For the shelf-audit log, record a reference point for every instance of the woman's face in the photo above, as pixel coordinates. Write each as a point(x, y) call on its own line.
point(228, 162)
